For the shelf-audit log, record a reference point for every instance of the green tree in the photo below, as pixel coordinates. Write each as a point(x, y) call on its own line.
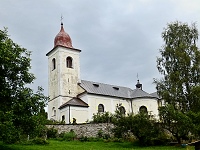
point(121, 126)
point(142, 126)
point(180, 66)
point(176, 122)
point(146, 129)
point(21, 110)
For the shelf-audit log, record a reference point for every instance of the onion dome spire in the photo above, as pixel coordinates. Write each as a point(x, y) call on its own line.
point(63, 39)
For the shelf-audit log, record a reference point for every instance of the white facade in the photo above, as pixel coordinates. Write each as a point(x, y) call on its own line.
point(62, 80)
point(72, 98)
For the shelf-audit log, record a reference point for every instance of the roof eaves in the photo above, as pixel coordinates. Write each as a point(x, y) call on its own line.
point(64, 47)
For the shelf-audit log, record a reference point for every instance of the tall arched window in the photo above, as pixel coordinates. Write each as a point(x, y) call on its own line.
point(69, 62)
point(63, 118)
point(53, 111)
point(143, 109)
point(100, 108)
point(53, 63)
point(122, 110)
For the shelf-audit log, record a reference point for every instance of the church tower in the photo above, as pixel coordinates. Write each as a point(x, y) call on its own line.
point(63, 73)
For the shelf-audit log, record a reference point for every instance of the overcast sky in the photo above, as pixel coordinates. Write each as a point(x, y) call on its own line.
point(118, 38)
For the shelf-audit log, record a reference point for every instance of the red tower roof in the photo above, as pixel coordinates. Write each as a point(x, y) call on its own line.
point(63, 39)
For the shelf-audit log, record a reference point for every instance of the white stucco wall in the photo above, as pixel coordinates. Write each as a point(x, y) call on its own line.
point(55, 103)
point(149, 103)
point(62, 81)
point(79, 113)
point(109, 103)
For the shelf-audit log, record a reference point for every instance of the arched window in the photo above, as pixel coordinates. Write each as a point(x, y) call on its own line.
point(69, 62)
point(122, 110)
point(100, 108)
point(53, 63)
point(63, 118)
point(53, 111)
point(143, 109)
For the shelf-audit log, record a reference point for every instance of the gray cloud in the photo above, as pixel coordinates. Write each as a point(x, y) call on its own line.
point(118, 39)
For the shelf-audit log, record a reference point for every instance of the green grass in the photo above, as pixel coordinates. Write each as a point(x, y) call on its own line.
point(77, 145)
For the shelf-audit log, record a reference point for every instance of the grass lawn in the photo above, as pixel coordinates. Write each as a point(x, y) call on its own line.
point(77, 145)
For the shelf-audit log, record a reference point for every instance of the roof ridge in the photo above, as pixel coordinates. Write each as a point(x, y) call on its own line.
point(108, 84)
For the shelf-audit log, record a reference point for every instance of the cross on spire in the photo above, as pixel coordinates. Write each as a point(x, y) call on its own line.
point(137, 76)
point(61, 19)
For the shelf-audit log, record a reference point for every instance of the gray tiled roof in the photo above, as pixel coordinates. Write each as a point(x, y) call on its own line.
point(74, 102)
point(138, 93)
point(113, 90)
point(155, 94)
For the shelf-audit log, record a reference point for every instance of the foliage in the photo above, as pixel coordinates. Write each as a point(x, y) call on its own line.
point(69, 136)
point(61, 135)
point(84, 139)
point(52, 133)
point(103, 135)
point(39, 141)
point(180, 86)
point(21, 110)
point(100, 133)
point(195, 118)
point(180, 66)
point(176, 122)
point(142, 126)
point(103, 117)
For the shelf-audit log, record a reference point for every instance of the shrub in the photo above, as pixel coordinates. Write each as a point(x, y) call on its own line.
point(117, 140)
point(161, 139)
point(69, 136)
point(61, 135)
point(83, 139)
point(106, 136)
point(143, 127)
point(100, 133)
point(39, 141)
point(105, 117)
point(52, 133)
point(93, 139)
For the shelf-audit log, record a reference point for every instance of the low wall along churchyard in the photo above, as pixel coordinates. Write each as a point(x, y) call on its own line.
point(89, 130)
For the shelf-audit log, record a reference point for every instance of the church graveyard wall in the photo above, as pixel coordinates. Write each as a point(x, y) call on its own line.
point(88, 130)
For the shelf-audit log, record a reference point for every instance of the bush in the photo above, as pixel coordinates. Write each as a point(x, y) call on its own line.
point(106, 136)
point(117, 140)
point(162, 139)
point(61, 135)
point(105, 117)
point(69, 136)
point(84, 139)
point(100, 133)
point(52, 133)
point(39, 141)
point(142, 126)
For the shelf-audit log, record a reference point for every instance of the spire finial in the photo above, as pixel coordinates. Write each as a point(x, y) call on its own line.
point(138, 85)
point(61, 19)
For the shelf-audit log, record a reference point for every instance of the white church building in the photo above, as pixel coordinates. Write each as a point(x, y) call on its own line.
point(71, 97)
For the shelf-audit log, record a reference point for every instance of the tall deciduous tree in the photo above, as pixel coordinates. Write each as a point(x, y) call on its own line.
point(21, 110)
point(180, 66)
point(180, 86)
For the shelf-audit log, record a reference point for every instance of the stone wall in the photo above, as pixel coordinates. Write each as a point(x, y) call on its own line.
point(89, 130)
